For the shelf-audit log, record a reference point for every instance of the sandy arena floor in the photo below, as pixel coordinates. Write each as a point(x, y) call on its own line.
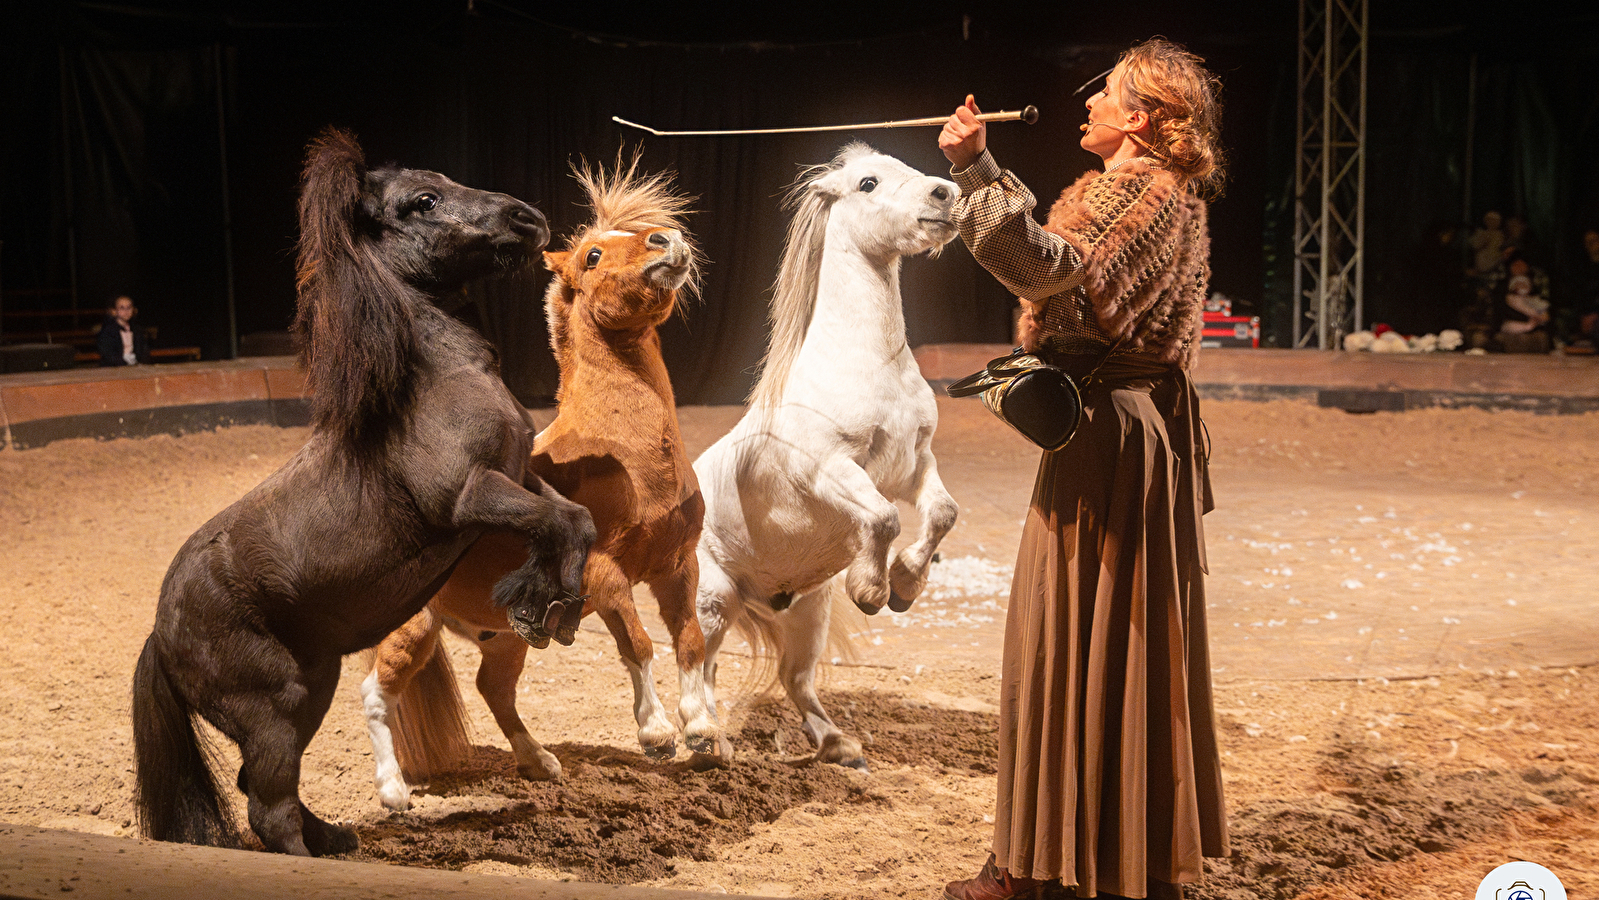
point(1405, 631)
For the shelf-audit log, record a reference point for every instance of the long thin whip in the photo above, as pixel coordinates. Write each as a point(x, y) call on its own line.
point(1028, 115)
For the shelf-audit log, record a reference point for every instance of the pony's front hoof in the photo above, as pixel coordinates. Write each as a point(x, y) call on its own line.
point(867, 608)
point(571, 617)
point(529, 626)
point(904, 583)
point(897, 603)
point(661, 752)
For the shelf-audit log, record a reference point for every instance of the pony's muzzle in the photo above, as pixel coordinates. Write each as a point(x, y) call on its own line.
point(529, 223)
point(672, 269)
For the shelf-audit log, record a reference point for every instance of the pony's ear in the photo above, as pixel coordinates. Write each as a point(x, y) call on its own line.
point(368, 211)
point(331, 185)
point(555, 259)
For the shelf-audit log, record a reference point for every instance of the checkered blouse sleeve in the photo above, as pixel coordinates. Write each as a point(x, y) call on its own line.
point(994, 215)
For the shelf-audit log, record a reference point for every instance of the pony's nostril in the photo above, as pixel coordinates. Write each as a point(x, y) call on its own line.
point(527, 220)
point(941, 193)
point(660, 239)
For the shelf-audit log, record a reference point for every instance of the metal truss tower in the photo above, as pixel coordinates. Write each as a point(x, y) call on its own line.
point(1330, 173)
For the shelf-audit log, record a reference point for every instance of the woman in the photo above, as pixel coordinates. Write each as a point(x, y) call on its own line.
point(1109, 777)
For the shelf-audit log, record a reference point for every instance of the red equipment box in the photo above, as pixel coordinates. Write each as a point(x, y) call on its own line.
point(1230, 331)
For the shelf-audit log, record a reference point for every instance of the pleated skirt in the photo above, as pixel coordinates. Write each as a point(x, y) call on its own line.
point(1109, 775)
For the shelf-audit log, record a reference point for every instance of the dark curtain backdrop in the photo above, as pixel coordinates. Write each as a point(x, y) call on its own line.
point(115, 118)
point(118, 168)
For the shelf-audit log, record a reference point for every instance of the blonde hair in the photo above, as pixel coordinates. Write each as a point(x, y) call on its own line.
point(1183, 100)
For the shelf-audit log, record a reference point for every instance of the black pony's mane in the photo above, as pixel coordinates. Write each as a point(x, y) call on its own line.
point(355, 317)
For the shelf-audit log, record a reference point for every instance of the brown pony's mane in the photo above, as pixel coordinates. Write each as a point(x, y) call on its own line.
point(620, 200)
point(355, 316)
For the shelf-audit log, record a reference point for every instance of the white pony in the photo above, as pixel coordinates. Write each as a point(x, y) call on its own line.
point(800, 494)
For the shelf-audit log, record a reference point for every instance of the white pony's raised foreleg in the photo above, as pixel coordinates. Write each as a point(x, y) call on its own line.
point(846, 487)
point(937, 511)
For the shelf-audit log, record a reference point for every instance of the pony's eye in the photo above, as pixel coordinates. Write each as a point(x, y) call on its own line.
point(593, 259)
point(427, 202)
point(868, 184)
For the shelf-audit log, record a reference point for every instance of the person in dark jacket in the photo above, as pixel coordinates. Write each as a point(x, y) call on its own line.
point(121, 341)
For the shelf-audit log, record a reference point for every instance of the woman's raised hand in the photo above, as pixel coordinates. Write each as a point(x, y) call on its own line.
point(964, 138)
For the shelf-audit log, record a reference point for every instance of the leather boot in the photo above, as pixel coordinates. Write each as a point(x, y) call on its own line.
point(992, 883)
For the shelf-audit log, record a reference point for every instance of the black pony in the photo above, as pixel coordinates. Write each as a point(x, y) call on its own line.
point(416, 450)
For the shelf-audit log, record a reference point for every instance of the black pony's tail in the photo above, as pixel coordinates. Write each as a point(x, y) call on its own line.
point(175, 792)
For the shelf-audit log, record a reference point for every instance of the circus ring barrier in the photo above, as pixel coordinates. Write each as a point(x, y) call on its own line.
point(37, 408)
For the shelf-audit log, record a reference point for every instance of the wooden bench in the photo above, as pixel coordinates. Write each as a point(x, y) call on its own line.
point(83, 340)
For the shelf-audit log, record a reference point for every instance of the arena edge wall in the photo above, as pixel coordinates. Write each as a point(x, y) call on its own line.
point(37, 408)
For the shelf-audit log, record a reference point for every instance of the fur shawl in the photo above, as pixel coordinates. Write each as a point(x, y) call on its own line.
point(1144, 247)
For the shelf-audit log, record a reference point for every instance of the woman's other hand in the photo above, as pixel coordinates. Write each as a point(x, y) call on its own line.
point(964, 138)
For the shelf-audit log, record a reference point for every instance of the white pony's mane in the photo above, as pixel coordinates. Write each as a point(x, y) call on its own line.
point(794, 292)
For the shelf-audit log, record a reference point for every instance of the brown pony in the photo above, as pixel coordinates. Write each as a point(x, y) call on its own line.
point(416, 451)
point(615, 448)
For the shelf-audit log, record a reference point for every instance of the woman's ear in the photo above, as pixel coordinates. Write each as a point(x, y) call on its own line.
point(1137, 120)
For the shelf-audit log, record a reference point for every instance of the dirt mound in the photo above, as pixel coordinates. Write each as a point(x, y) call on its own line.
point(1384, 812)
point(896, 730)
point(616, 816)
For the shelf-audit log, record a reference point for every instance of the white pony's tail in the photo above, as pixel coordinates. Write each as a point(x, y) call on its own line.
point(758, 626)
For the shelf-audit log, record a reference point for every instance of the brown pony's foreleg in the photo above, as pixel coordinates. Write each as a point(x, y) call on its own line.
point(611, 595)
point(675, 592)
point(497, 675)
point(559, 534)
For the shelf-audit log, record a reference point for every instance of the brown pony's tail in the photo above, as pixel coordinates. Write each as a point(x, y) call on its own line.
point(175, 790)
point(758, 626)
point(428, 721)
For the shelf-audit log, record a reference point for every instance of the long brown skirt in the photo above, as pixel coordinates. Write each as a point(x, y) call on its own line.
point(1109, 777)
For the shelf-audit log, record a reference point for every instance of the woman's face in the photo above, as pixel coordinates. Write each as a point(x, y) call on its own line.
point(1108, 120)
point(123, 310)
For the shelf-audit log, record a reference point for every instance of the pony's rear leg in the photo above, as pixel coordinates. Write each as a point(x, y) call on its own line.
point(675, 592)
point(802, 638)
point(846, 487)
point(282, 723)
point(503, 659)
point(717, 605)
point(397, 660)
point(937, 511)
point(611, 595)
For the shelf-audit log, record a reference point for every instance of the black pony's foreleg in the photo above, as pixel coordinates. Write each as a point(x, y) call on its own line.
point(559, 534)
